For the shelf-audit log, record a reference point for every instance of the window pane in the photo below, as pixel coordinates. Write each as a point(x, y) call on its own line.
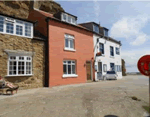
point(9, 27)
point(69, 62)
point(64, 17)
point(69, 19)
point(66, 43)
point(73, 20)
point(20, 67)
point(19, 30)
point(27, 29)
point(64, 69)
point(69, 69)
point(73, 69)
point(96, 28)
point(1, 24)
point(71, 44)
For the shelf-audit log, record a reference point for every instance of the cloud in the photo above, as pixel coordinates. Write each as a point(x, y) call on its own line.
point(130, 28)
point(131, 57)
point(96, 8)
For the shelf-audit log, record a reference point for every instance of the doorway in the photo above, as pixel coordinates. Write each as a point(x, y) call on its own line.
point(99, 72)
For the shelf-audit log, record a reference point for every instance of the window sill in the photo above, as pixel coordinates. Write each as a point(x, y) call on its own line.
point(112, 57)
point(103, 55)
point(68, 49)
point(72, 75)
point(18, 75)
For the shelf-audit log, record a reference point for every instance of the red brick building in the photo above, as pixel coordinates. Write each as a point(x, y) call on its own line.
point(70, 48)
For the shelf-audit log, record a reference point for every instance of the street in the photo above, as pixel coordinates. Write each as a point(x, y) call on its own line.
point(96, 99)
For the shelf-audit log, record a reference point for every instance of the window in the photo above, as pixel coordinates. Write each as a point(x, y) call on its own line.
point(1, 24)
point(111, 51)
point(68, 18)
point(118, 68)
point(27, 29)
point(69, 67)
point(101, 48)
point(9, 27)
point(19, 28)
point(96, 28)
point(15, 27)
point(117, 51)
point(112, 66)
point(69, 42)
point(105, 67)
point(20, 65)
point(64, 17)
point(105, 32)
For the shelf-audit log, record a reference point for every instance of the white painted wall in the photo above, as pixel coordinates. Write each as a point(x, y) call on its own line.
point(106, 59)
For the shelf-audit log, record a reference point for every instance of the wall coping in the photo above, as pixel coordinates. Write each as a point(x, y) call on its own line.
point(19, 52)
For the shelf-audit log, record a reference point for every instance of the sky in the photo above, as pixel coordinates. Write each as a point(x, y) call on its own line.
point(127, 21)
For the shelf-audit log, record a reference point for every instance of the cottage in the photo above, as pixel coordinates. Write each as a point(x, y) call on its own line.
point(22, 52)
point(109, 48)
point(70, 47)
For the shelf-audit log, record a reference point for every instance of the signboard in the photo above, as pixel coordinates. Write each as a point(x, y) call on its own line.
point(144, 65)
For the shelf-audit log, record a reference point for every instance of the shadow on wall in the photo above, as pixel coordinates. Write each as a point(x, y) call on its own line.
point(110, 116)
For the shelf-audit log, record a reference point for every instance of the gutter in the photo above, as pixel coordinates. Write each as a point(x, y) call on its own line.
point(47, 56)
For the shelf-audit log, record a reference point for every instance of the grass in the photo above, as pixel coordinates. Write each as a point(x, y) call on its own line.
point(147, 108)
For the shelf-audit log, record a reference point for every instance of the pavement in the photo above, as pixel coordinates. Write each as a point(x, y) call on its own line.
point(96, 99)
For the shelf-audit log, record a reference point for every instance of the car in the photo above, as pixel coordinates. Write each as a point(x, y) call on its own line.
point(110, 75)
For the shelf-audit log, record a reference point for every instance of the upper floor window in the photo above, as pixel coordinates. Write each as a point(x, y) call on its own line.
point(96, 28)
point(68, 18)
point(111, 51)
point(69, 42)
point(105, 32)
point(117, 51)
point(101, 48)
point(16, 27)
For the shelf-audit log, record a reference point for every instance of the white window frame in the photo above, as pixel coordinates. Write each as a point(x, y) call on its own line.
point(69, 37)
point(105, 67)
point(94, 28)
point(17, 60)
point(65, 62)
point(71, 22)
point(15, 22)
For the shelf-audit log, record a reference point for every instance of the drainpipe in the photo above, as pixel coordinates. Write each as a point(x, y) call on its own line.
point(47, 74)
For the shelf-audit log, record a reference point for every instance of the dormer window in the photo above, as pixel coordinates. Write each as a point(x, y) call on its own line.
point(106, 32)
point(96, 28)
point(15, 27)
point(68, 18)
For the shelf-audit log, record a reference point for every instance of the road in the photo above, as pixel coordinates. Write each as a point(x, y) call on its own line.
point(96, 99)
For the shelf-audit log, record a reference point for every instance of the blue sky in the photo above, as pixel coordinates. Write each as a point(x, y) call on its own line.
point(127, 21)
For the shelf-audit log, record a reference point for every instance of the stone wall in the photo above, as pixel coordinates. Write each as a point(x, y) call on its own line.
point(10, 42)
point(21, 9)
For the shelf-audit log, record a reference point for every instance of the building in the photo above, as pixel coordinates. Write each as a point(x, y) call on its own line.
point(110, 49)
point(22, 52)
point(70, 47)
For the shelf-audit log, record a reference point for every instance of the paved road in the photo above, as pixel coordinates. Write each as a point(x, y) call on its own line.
point(96, 99)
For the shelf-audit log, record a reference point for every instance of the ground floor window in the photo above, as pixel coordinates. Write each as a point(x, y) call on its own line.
point(112, 66)
point(19, 65)
point(69, 67)
point(118, 68)
point(105, 67)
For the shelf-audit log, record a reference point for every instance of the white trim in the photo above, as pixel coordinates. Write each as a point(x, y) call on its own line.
point(14, 27)
point(69, 49)
point(18, 75)
point(72, 75)
point(112, 57)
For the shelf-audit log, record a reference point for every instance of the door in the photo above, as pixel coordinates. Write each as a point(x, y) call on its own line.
point(99, 72)
point(88, 70)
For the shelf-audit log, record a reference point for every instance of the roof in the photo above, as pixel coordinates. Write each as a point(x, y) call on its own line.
point(12, 16)
point(49, 15)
